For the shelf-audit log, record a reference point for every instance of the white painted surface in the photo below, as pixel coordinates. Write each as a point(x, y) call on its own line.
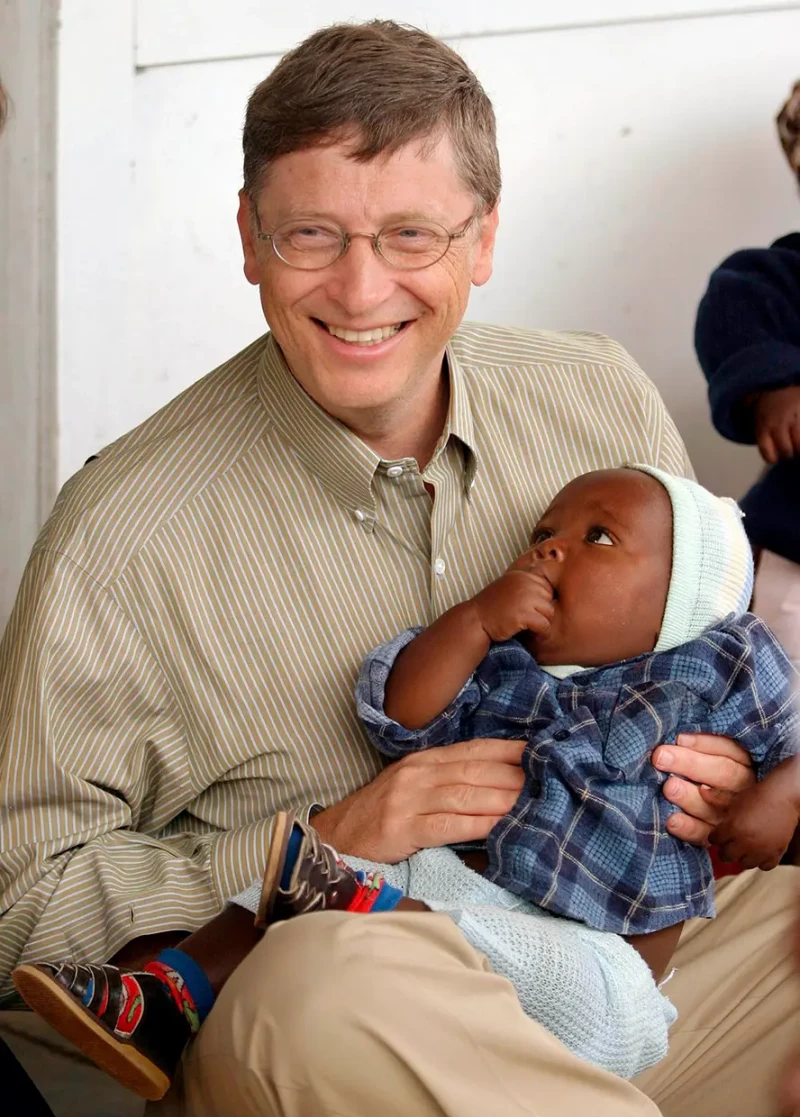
point(95, 226)
point(28, 380)
point(170, 31)
point(635, 157)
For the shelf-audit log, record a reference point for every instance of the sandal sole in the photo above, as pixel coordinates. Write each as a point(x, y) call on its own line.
point(70, 1019)
point(281, 831)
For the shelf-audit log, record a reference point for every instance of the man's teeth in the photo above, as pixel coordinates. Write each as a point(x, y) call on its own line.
point(364, 337)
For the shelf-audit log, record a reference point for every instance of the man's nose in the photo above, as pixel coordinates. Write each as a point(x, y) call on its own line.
point(550, 550)
point(360, 280)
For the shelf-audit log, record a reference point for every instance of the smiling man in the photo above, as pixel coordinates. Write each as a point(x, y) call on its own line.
point(181, 660)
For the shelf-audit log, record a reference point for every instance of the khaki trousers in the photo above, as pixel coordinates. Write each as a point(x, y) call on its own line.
point(397, 1016)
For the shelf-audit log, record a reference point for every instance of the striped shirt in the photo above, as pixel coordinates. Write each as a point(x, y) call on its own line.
point(181, 660)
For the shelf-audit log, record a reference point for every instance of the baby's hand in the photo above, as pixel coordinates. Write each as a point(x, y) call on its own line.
point(759, 826)
point(519, 600)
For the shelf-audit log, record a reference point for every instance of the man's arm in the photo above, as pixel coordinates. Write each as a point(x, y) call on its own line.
point(94, 763)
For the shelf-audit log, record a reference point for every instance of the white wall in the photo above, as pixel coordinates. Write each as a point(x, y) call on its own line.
point(637, 152)
point(27, 288)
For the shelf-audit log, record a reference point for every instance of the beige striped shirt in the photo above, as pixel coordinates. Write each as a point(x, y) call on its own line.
point(181, 660)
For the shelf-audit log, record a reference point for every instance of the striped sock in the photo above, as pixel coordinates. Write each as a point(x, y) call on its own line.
point(375, 895)
point(187, 983)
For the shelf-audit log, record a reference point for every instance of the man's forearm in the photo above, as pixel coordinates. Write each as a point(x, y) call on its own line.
point(127, 895)
point(431, 670)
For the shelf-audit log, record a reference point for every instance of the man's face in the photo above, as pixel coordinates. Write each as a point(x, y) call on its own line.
point(605, 546)
point(361, 291)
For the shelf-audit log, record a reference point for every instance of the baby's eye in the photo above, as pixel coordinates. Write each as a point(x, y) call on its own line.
point(540, 535)
point(599, 535)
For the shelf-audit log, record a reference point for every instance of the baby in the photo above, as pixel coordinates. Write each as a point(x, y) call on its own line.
point(622, 625)
point(643, 579)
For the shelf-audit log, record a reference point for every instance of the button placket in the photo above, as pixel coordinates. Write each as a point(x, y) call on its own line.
point(365, 520)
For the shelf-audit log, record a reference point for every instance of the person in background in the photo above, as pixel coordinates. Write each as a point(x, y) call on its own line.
point(747, 338)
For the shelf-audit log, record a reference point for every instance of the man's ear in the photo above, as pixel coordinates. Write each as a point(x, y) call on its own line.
point(484, 252)
point(245, 221)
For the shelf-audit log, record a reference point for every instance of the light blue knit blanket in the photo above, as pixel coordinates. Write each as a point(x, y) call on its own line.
point(589, 988)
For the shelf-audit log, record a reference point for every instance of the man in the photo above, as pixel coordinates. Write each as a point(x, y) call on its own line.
point(181, 660)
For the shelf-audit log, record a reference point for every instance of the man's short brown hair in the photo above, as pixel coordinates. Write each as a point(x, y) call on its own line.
point(386, 83)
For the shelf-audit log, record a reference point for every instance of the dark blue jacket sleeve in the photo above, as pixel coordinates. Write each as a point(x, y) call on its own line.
point(747, 334)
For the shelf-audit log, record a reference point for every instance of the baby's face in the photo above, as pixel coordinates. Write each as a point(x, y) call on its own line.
point(605, 546)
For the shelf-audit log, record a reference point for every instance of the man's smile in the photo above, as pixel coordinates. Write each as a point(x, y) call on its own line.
point(372, 336)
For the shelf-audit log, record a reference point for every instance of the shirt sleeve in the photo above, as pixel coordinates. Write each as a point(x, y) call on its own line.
point(388, 736)
point(662, 444)
point(94, 763)
point(749, 685)
point(747, 334)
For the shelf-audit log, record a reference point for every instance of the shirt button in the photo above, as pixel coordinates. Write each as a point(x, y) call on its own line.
point(561, 735)
point(359, 515)
point(394, 471)
point(439, 567)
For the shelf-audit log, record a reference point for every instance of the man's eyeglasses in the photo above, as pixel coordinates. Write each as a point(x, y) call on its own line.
point(312, 245)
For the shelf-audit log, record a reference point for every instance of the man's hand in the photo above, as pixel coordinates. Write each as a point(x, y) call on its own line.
point(718, 769)
point(520, 600)
point(777, 422)
point(455, 793)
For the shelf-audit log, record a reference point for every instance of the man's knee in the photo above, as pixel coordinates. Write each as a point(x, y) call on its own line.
point(321, 997)
point(312, 982)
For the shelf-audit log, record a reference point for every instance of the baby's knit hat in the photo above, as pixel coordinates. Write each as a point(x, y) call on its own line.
point(712, 564)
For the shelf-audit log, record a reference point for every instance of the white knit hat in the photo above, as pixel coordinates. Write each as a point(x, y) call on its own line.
point(712, 565)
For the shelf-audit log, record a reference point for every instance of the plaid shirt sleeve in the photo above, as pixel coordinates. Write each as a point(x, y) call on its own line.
point(388, 736)
point(751, 690)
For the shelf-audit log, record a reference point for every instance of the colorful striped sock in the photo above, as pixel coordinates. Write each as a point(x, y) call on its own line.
point(375, 895)
point(187, 982)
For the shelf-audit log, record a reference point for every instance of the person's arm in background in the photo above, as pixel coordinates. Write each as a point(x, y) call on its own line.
point(747, 338)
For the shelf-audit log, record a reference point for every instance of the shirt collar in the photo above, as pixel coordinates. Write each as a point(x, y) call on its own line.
point(329, 450)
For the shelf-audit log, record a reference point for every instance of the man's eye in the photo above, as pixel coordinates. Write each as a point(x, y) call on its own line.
point(540, 535)
point(599, 535)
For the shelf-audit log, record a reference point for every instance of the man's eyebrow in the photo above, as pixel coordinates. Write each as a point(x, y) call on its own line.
point(298, 213)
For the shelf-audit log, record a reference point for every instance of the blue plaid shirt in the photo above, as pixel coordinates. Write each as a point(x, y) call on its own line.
point(586, 838)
